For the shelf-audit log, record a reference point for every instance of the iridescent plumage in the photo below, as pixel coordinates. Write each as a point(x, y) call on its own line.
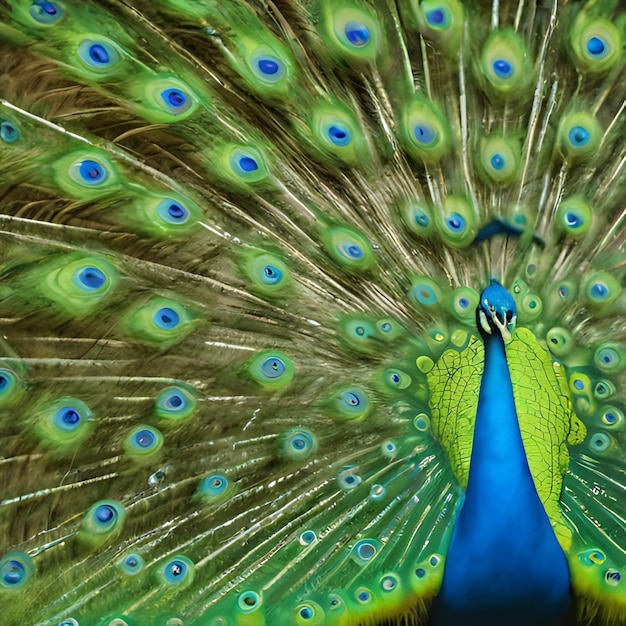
point(312, 312)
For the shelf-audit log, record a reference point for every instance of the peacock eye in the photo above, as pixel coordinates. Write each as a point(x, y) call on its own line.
point(90, 172)
point(166, 318)
point(248, 165)
point(173, 212)
point(249, 601)
point(596, 44)
point(579, 134)
point(348, 479)
point(267, 66)
point(175, 403)
point(213, 488)
point(46, 13)
point(353, 33)
point(131, 564)
point(8, 384)
point(426, 291)
point(298, 445)
point(99, 55)
point(365, 550)
point(167, 98)
point(503, 63)
point(143, 441)
point(363, 596)
point(307, 538)
point(339, 134)
point(16, 570)
point(438, 18)
point(9, 132)
point(176, 571)
point(349, 248)
point(425, 134)
point(176, 100)
point(456, 223)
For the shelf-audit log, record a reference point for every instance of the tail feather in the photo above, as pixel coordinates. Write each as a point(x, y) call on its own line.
point(242, 251)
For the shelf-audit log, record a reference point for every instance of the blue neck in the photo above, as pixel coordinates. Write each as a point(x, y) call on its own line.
point(504, 565)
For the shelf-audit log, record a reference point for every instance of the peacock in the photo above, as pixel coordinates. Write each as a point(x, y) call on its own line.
point(312, 312)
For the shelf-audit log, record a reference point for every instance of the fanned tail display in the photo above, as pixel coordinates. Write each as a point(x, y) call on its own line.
point(312, 312)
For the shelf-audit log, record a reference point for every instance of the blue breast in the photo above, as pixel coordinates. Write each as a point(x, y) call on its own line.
point(504, 565)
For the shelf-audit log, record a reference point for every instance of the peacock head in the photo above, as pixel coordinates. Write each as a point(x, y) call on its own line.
point(496, 311)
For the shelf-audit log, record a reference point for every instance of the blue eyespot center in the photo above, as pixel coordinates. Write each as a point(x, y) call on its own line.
point(363, 596)
point(308, 536)
point(578, 136)
point(579, 384)
point(273, 367)
point(175, 100)
point(47, 7)
point(172, 211)
point(596, 47)
point(572, 219)
point(502, 68)
point(497, 161)
point(176, 211)
point(248, 164)
point(4, 383)
point(351, 399)
point(268, 66)
point(455, 222)
point(299, 443)
point(175, 401)
point(45, 12)
point(435, 17)
point(91, 278)
point(14, 573)
point(92, 171)
point(213, 485)
point(306, 613)
point(104, 513)
point(98, 53)
point(352, 250)
point(175, 571)
point(166, 318)
point(144, 438)
point(8, 132)
point(339, 136)
point(357, 33)
point(463, 302)
point(69, 415)
point(421, 218)
point(424, 134)
point(599, 291)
